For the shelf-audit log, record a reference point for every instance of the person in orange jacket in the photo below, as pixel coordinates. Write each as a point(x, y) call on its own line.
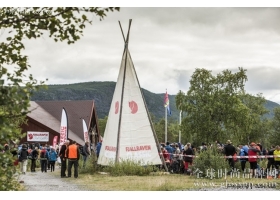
point(73, 155)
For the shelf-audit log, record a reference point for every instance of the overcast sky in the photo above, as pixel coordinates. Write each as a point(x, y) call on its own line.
point(167, 45)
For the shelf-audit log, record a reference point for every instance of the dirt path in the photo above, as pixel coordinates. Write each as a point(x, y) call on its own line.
point(50, 181)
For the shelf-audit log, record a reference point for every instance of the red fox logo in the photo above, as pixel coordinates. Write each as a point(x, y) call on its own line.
point(30, 136)
point(133, 106)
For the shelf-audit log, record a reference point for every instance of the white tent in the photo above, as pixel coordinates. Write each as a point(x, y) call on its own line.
point(129, 134)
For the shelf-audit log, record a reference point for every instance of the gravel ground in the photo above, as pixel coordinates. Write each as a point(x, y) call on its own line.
point(38, 181)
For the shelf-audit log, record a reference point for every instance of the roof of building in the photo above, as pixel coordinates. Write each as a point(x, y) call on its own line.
point(49, 113)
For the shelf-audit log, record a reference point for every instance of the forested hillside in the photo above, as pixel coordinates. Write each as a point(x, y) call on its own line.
point(102, 94)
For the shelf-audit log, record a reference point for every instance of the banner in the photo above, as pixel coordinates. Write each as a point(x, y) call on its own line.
point(54, 141)
point(85, 129)
point(63, 128)
point(86, 137)
point(33, 136)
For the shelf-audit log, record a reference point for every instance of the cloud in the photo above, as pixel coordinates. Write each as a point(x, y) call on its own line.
point(263, 78)
point(167, 45)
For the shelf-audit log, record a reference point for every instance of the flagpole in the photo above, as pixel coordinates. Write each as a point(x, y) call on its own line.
point(165, 125)
point(180, 120)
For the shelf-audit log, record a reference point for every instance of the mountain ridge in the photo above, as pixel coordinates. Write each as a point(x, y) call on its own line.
point(102, 94)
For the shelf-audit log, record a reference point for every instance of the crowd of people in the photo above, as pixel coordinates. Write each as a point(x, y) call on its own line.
point(46, 157)
point(178, 158)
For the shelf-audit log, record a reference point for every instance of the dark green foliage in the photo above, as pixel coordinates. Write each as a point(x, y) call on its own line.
point(90, 167)
point(208, 160)
point(129, 168)
point(16, 88)
point(102, 94)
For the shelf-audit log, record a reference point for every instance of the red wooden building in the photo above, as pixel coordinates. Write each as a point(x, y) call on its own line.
point(45, 119)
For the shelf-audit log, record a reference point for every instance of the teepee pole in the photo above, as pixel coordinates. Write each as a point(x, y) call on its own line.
point(121, 103)
point(146, 107)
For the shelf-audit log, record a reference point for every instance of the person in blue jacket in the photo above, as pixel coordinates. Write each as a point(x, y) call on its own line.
point(52, 158)
point(170, 150)
point(98, 147)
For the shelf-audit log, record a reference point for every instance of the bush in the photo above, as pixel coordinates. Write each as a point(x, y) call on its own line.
point(209, 163)
point(129, 168)
point(90, 166)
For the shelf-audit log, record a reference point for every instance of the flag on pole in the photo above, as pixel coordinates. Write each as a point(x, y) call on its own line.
point(166, 103)
point(85, 129)
point(63, 128)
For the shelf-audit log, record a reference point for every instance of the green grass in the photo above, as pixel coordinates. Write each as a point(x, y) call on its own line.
point(96, 178)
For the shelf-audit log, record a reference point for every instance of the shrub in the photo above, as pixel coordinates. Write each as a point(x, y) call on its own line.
point(90, 166)
point(210, 161)
point(129, 168)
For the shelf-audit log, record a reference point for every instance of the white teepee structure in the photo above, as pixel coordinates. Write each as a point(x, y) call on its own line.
point(129, 134)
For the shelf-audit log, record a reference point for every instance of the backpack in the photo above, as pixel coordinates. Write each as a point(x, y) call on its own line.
point(43, 155)
point(29, 155)
point(244, 153)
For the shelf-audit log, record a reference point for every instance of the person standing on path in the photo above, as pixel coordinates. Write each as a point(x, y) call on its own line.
point(34, 157)
point(73, 155)
point(23, 153)
point(44, 156)
point(52, 158)
point(63, 158)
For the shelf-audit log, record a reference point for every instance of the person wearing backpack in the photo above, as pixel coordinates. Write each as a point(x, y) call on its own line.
point(43, 159)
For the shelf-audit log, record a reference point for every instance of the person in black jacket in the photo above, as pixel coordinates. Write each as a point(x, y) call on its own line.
point(229, 150)
point(63, 158)
point(270, 160)
point(34, 157)
point(188, 156)
point(22, 157)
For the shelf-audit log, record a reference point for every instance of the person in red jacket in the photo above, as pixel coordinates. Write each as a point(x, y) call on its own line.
point(253, 152)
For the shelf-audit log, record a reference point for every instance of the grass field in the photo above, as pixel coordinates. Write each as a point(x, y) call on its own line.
point(163, 182)
point(160, 181)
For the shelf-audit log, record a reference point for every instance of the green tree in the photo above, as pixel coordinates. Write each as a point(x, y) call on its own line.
point(16, 88)
point(274, 137)
point(102, 125)
point(217, 108)
point(172, 130)
point(160, 130)
point(253, 126)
